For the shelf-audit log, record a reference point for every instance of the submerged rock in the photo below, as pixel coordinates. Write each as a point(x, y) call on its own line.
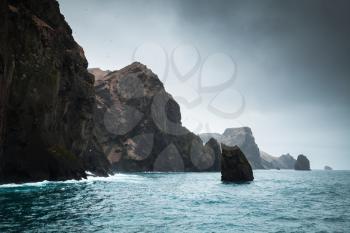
point(302, 163)
point(47, 96)
point(234, 165)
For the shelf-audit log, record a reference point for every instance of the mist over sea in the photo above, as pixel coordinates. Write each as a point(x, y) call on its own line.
point(277, 201)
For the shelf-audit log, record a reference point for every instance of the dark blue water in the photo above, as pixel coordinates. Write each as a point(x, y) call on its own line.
point(277, 201)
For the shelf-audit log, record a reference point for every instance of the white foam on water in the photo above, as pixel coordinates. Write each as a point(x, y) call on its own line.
point(30, 184)
point(119, 177)
point(91, 178)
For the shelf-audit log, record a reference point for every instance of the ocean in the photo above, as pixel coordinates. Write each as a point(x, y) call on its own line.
point(276, 201)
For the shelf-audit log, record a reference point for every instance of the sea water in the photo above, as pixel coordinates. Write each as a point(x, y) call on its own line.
point(276, 201)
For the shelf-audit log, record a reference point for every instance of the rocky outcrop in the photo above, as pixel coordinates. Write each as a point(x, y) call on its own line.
point(207, 157)
point(241, 137)
point(328, 168)
point(139, 125)
point(302, 163)
point(283, 162)
point(47, 96)
point(234, 165)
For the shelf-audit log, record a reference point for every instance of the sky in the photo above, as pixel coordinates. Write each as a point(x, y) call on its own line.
point(281, 67)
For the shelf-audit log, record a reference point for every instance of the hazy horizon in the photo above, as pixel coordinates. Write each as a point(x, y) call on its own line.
point(291, 62)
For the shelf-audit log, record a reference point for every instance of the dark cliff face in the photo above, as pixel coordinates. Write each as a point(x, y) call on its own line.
point(234, 165)
point(302, 163)
point(241, 137)
point(46, 95)
point(139, 124)
point(3, 64)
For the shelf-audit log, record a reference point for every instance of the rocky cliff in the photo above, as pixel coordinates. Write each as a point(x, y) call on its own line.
point(302, 163)
point(139, 125)
point(271, 162)
point(244, 139)
point(241, 137)
point(47, 96)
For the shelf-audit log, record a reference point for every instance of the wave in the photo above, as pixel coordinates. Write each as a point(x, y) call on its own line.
point(13, 185)
point(131, 178)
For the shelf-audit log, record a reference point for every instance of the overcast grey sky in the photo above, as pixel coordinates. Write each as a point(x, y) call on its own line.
point(291, 60)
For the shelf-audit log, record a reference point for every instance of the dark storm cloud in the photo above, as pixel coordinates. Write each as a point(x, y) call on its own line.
point(309, 40)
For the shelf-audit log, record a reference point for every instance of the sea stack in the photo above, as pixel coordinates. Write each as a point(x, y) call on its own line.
point(302, 163)
point(234, 165)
